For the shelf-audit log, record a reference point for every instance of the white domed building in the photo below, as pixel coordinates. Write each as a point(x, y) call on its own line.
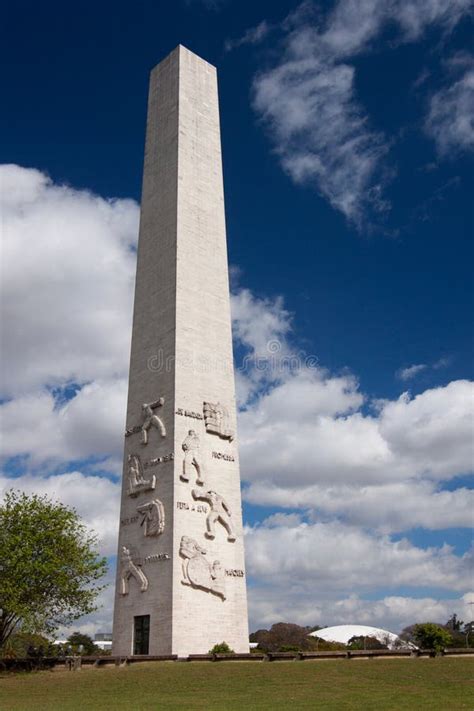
point(343, 633)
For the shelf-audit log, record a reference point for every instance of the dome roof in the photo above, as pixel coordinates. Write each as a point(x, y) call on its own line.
point(343, 633)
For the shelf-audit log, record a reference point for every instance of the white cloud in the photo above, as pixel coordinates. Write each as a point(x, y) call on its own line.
point(261, 326)
point(308, 574)
point(308, 100)
point(431, 434)
point(258, 323)
point(351, 26)
point(450, 116)
point(388, 508)
point(67, 280)
point(91, 424)
point(321, 133)
point(282, 519)
point(338, 557)
point(254, 35)
point(305, 431)
point(393, 612)
point(442, 362)
point(411, 371)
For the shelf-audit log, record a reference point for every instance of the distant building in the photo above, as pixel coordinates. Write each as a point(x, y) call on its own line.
point(103, 640)
point(343, 633)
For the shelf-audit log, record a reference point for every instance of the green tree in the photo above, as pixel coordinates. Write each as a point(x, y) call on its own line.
point(431, 636)
point(283, 634)
point(468, 633)
point(82, 643)
point(361, 642)
point(21, 644)
point(454, 623)
point(49, 565)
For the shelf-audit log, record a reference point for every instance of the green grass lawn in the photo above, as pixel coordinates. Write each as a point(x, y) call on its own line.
point(378, 684)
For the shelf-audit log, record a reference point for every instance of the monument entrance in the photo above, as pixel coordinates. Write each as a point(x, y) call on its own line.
point(141, 636)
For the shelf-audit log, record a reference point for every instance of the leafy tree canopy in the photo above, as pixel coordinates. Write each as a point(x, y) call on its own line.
point(431, 636)
point(285, 634)
point(49, 565)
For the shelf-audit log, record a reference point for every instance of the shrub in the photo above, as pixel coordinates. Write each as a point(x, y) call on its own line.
point(289, 648)
point(222, 648)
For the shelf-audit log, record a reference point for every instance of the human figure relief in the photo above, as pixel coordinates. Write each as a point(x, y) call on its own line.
point(192, 458)
point(219, 511)
point(216, 419)
point(152, 420)
point(130, 570)
point(136, 480)
point(197, 571)
point(153, 516)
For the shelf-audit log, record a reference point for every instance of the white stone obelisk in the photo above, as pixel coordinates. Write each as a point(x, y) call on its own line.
point(181, 584)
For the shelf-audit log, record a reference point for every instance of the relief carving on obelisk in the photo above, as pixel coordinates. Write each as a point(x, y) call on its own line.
point(131, 569)
point(197, 571)
point(192, 463)
point(151, 419)
point(216, 419)
point(153, 517)
point(219, 513)
point(136, 479)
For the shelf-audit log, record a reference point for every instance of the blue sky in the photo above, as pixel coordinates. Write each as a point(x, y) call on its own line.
point(347, 141)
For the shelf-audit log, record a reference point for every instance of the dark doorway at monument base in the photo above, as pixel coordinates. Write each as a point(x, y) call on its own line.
point(141, 634)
